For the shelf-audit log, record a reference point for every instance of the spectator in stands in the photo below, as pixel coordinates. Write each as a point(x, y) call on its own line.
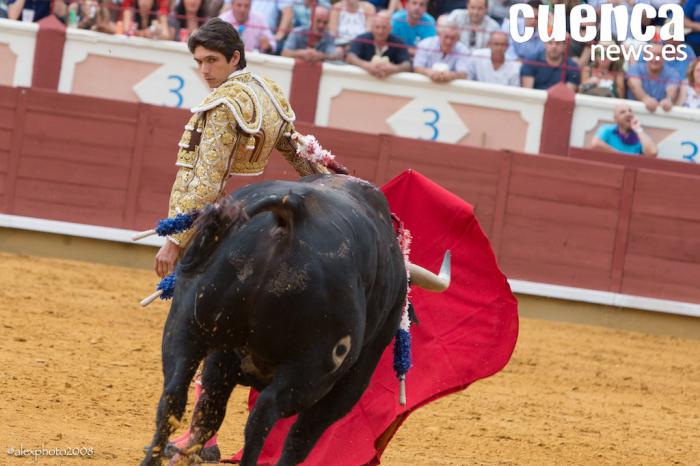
point(148, 19)
point(413, 24)
point(690, 91)
point(437, 8)
point(115, 8)
point(628, 4)
point(653, 83)
point(673, 59)
point(475, 25)
point(28, 10)
point(625, 136)
point(278, 15)
point(568, 6)
point(603, 77)
point(213, 8)
point(379, 52)
point(93, 15)
point(251, 26)
point(500, 9)
point(692, 22)
point(532, 48)
point(442, 58)
point(349, 19)
point(390, 5)
point(547, 69)
point(190, 15)
point(631, 44)
point(301, 11)
point(580, 52)
point(491, 66)
point(61, 12)
point(314, 45)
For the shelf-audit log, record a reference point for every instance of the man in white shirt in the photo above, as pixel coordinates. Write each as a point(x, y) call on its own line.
point(475, 25)
point(491, 66)
point(442, 58)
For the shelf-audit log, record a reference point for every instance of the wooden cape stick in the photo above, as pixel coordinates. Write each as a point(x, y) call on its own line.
point(143, 234)
point(151, 297)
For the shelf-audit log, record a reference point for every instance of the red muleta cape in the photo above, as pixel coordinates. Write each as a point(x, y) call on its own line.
point(465, 334)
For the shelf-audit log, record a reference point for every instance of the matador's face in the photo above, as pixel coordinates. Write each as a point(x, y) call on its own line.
point(213, 65)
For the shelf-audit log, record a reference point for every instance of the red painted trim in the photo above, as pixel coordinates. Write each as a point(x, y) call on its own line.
point(556, 121)
point(306, 80)
point(48, 53)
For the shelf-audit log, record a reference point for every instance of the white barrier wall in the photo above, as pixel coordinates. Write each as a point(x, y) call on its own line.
point(143, 70)
point(410, 105)
point(677, 133)
point(17, 43)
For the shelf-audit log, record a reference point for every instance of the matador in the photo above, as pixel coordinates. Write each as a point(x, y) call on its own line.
point(232, 132)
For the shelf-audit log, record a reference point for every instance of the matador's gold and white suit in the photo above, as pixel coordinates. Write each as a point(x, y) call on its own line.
point(232, 132)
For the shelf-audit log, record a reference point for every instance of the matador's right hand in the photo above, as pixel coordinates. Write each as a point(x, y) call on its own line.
point(166, 258)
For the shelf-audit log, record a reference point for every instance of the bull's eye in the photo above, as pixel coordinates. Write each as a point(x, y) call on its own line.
point(340, 350)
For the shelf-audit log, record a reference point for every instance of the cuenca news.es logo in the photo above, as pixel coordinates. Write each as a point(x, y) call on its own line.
point(585, 27)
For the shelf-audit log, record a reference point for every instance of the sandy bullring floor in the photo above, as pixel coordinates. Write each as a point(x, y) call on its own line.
point(81, 368)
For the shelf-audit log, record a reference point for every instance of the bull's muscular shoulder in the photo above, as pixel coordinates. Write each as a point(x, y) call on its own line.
point(240, 99)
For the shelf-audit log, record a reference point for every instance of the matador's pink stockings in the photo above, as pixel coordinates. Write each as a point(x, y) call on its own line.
point(181, 441)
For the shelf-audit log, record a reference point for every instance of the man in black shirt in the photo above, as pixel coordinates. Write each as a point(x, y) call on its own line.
point(379, 52)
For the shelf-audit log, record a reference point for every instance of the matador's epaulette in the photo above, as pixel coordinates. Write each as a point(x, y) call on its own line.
point(240, 99)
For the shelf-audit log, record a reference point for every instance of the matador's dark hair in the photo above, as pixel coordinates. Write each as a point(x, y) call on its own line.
point(220, 36)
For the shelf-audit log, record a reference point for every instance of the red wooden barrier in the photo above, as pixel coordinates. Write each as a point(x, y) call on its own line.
point(606, 226)
point(634, 161)
point(10, 114)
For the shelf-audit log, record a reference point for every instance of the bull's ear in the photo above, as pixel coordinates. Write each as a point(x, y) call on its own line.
point(285, 209)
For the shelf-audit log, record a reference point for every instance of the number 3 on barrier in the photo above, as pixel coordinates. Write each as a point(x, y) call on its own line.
point(176, 90)
point(693, 151)
point(431, 124)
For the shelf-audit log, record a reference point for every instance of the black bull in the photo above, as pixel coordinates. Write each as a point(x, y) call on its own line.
point(293, 288)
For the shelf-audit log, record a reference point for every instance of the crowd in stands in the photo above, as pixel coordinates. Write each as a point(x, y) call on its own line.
point(445, 40)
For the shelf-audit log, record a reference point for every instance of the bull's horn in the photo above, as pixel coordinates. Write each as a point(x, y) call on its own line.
point(428, 280)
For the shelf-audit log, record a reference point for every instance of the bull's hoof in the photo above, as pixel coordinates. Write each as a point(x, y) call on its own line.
point(151, 460)
point(208, 455)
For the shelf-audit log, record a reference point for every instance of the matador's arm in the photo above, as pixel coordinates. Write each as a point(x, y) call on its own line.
point(201, 181)
point(288, 149)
